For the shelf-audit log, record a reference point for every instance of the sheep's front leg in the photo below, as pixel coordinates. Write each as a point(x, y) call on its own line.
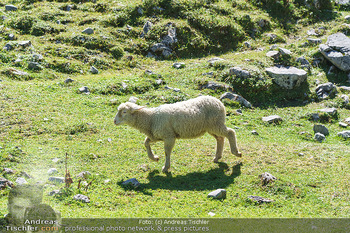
point(219, 148)
point(168, 147)
point(149, 150)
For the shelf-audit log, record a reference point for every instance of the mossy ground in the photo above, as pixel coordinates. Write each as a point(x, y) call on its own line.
point(46, 118)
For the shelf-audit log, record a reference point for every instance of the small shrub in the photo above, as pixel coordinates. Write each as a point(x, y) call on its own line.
point(24, 23)
point(117, 52)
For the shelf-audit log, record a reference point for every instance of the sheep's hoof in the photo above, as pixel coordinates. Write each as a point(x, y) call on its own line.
point(216, 160)
point(156, 158)
point(239, 154)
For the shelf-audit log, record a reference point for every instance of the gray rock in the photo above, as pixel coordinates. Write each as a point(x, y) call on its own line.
point(82, 198)
point(330, 111)
point(176, 89)
point(337, 51)
point(25, 44)
point(88, 31)
point(284, 52)
point(235, 97)
point(344, 134)
point(254, 132)
point(216, 86)
point(319, 137)
point(52, 171)
point(247, 44)
point(343, 125)
point(326, 90)
point(218, 194)
point(8, 171)
point(287, 77)
point(260, 199)
point(10, 8)
point(56, 179)
point(146, 28)
point(15, 72)
point(344, 88)
point(347, 18)
point(94, 70)
point(267, 178)
point(5, 183)
point(239, 72)
point(170, 39)
point(159, 47)
point(84, 90)
point(321, 129)
point(54, 192)
point(167, 53)
point(37, 57)
point(69, 7)
point(56, 160)
point(8, 47)
point(302, 61)
point(131, 182)
point(21, 181)
point(84, 174)
point(312, 32)
point(273, 119)
point(214, 60)
point(347, 121)
point(34, 66)
point(133, 99)
point(345, 98)
point(313, 41)
point(273, 54)
point(179, 65)
point(68, 80)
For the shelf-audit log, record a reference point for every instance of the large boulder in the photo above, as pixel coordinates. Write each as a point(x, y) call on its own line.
point(286, 76)
point(337, 51)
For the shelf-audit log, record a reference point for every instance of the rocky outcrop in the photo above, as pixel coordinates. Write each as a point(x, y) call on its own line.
point(286, 76)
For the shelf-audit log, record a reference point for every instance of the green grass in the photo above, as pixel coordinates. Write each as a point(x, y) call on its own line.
point(42, 118)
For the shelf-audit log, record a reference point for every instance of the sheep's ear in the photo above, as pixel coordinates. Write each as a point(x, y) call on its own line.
point(136, 108)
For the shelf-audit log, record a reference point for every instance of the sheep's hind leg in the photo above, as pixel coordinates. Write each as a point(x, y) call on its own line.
point(219, 147)
point(168, 147)
point(231, 135)
point(149, 150)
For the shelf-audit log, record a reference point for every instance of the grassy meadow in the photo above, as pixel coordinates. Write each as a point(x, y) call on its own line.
point(42, 118)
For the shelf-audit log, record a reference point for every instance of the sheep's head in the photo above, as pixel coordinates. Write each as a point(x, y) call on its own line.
point(126, 112)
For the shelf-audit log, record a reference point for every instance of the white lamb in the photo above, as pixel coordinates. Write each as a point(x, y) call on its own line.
point(187, 119)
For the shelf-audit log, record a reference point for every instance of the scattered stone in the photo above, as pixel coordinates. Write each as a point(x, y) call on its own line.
point(107, 181)
point(321, 129)
point(287, 77)
point(69, 7)
point(131, 182)
point(284, 52)
point(337, 51)
point(56, 179)
point(216, 86)
point(273, 119)
point(214, 60)
point(21, 181)
point(55, 160)
point(88, 31)
point(211, 214)
point(68, 80)
point(347, 121)
point(235, 97)
point(326, 90)
point(8, 47)
point(17, 73)
point(133, 99)
point(84, 90)
point(273, 54)
point(210, 74)
point(344, 88)
point(312, 32)
point(8, 171)
point(302, 61)
point(343, 125)
point(179, 65)
point(319, 137)
point(94, 70)
point(260, 199)
point(5, 183)
point(10, 8)
point(254, 132)
point(239, 72)
point(239, 111)
point(54, 192)
point(82, 198)
point(267, 178)
point(146, 28)
point(26, 175)
point(247, 44)
point(83, 174)
point(344, 134)
point(313, 41)
point(330, 111)
point(52, 171)
point(347, 17)
point(218, 194)
point(34, 66)
point(25, 44)
point(301, 154)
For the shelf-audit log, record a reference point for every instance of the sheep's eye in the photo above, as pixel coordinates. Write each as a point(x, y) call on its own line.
point(124, 112)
